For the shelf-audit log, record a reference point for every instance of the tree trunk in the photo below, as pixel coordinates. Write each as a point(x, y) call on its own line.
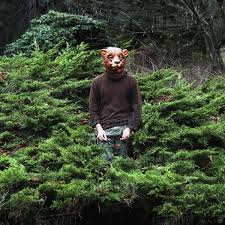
point(15, 17)
point(217, 61)
point(213, 51)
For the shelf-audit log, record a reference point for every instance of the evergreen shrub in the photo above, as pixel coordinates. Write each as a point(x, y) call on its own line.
point(42, 91)
point(49, 161)
point(59, 28)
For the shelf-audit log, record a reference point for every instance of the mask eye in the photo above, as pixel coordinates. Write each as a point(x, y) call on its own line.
point(121, 57)
point(110, 57)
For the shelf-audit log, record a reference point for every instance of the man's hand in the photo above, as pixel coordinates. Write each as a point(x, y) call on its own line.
point(126, 134)
point(101, 133)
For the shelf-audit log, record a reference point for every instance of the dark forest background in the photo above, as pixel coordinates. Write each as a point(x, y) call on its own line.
point(176, 33)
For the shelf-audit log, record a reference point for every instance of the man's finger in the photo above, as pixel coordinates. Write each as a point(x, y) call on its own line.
point(124, 137)
point(105, 137)
point(99, 138)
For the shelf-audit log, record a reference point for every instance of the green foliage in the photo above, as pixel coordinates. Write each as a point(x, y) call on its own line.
point(58, 167)
point(43, 91)
point(26, 201)
point(184, 130)
point(58, 28)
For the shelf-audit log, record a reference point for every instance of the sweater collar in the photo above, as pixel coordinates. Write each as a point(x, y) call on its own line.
point(115, 76)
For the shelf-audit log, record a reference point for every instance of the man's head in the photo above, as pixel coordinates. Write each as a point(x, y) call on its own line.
point(114, 59)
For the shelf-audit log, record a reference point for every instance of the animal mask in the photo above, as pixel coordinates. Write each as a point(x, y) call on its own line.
point(114, 59)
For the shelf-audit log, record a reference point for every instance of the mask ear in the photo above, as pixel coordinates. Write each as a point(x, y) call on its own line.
point(125, 52)
point(103, 52)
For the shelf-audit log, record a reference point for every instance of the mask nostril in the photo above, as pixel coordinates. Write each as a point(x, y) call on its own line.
point(117, 62)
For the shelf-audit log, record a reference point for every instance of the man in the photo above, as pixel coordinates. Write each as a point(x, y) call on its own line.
point(114, 104)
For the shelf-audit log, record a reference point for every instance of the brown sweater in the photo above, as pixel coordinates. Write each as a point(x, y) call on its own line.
point(115, 100)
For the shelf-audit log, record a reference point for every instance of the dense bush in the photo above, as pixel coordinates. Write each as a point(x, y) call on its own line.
point(59, 28)
point(42, 91)
point(179, 150)
point(184, 131)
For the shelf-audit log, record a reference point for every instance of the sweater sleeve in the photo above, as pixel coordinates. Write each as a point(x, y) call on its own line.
point(136, 104)
point(94, 104)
